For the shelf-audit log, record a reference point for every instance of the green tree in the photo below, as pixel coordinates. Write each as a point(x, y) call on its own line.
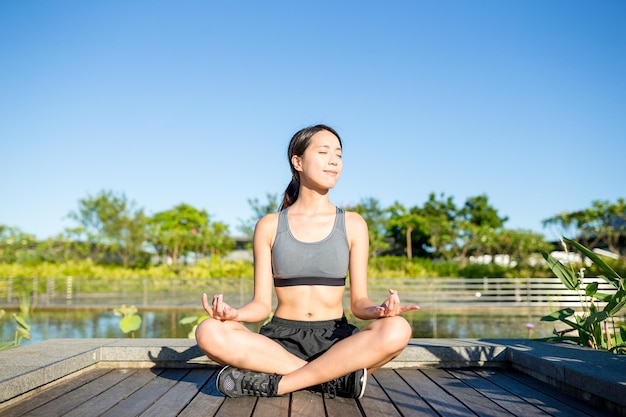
point(176, 231)
point(112, 224)
point(477, 224)
point(259, 210)
point(479, 212)
point(449, 232)
point(441, 225)
point(407, 225)
point(17, 246)
point(62, 248)
point(604, 223)
point(377, 220)
point(217, 240)
point(520, 244)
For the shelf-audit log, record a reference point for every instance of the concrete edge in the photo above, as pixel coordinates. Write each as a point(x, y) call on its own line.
point(590, 374)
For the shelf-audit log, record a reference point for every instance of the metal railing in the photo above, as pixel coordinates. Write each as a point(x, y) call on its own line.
point(433, 293)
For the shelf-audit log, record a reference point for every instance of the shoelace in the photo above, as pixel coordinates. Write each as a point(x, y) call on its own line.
point(331, 387)
point(257, 386)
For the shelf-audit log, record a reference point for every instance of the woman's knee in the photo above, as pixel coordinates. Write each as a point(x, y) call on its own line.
point(396, 332)
point(210, 336)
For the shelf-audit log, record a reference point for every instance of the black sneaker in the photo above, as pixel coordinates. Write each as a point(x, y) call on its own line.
point(235, 382)
point(348, 386)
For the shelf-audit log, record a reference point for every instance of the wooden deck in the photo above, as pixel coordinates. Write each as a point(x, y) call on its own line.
point(423, 391)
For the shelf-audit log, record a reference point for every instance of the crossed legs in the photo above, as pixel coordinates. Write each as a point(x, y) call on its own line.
point(231, 343)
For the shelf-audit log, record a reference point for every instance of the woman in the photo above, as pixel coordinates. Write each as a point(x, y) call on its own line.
point(305, 250)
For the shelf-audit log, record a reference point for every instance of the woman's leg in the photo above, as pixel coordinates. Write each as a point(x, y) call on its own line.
point(375, 345)
point(231, 343)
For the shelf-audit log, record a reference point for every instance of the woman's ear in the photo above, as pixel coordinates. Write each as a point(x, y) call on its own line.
point(296, 162)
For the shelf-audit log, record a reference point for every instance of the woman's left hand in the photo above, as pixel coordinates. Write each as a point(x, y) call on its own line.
point(391, 307)
point(218, 309)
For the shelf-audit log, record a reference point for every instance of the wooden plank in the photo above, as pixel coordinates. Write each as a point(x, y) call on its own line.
point(237, 407)
point(529, 394)
point(74, 398)
point(32, 404)
point(375, 402)
point(207, 402)
point(141, 399)
point(406, 392)
point(305, 404)
point(272, 407)
point(402, 395)
point(541, 392)
point(338, 406)
point(101, 403)
point(177, 398)
point(438, 399)
point(504, 398)
point(473, 400)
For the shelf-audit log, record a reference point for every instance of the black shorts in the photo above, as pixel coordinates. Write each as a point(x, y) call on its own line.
point(307, 339)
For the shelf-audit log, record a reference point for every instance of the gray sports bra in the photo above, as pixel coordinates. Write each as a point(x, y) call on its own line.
point(310, 263)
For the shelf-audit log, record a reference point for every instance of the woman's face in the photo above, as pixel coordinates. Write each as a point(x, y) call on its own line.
point(321, 162)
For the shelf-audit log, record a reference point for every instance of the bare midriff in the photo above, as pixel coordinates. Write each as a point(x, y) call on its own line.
point(310, 302)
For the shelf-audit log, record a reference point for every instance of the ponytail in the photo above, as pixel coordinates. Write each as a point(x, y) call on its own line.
point(291, 194)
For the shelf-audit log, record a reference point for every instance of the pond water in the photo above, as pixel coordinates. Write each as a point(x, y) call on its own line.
point(164, 323)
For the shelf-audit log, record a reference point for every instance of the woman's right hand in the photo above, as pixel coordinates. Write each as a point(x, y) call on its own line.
point(219, 310)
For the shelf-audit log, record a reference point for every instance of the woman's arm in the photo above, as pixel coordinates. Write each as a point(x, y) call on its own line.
point(360, 304)
point(260, 307)
point(358, 240)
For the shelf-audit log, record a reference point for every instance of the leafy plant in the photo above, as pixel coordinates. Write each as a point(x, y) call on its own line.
point(22, 331)
point(196, 320)
point(597, 328)
point(193, 320)
point(131, 321)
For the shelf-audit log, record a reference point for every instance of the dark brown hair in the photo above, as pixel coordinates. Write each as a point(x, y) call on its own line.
point(298, 144)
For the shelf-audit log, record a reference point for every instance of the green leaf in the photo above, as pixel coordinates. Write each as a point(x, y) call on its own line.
point(560, 315)
point(566, 275)
point(6, 345)
point(603, 297)
point(620, 335)
point(612, 276)
point(576, 325)
point(23, 332)
point(20, 321)
point(615, 308)
point(125, 311)
point(188, 320)
point(595, 318)
point(616, 302)
point(130, 323)
point(591, 289)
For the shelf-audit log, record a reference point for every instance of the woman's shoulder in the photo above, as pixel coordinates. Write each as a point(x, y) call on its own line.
point(268, 223)
point(353, 216)
point(354, 220)
point(268, 219)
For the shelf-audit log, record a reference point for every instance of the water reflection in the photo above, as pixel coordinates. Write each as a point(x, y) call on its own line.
point(164, 323)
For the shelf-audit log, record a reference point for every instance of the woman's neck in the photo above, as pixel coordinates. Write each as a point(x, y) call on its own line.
point(312, 202)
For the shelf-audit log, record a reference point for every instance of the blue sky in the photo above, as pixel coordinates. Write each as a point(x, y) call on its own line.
point(195, 102)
